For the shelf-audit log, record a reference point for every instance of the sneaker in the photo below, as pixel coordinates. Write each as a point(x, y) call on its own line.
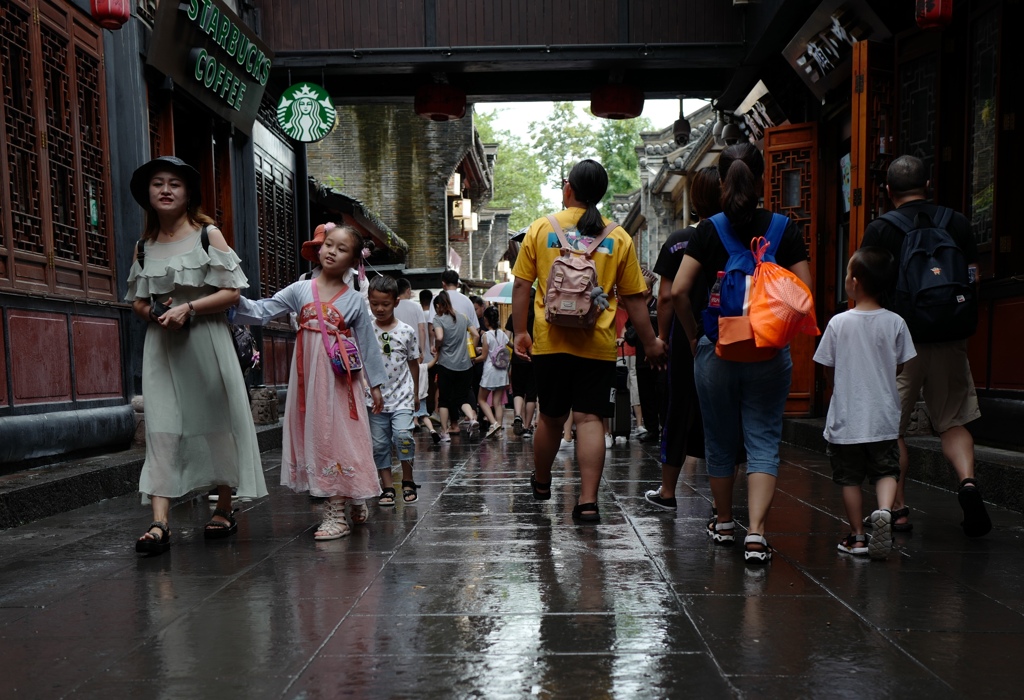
point(608, 441)
point(854, 544)
point(654, 498)
point(565, 444)
point(528, 434)
point(621, 440)
point(881, 534)
point(517, 425)
point(472, 427)
point(436, 437)
point(641, 433)
point(493, 429)
point(444, 438)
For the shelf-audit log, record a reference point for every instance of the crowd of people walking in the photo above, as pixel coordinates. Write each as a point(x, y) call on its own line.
point(372, 366)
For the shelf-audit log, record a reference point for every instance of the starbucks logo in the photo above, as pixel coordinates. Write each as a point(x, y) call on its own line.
point(306, 112)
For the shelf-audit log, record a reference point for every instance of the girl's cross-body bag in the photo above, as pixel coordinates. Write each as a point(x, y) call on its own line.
point(342, 352)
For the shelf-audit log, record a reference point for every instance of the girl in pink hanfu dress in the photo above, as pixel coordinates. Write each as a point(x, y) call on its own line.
point(327, 449)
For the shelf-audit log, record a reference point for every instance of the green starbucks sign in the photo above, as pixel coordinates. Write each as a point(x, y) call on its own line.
point(306, 112)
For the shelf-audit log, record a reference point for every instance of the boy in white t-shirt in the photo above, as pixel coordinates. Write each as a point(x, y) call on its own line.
point(865, 348)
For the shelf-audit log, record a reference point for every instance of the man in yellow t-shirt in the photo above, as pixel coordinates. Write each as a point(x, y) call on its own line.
point(575, 367)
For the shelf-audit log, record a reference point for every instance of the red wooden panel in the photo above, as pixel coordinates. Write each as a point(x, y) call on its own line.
point(40, 357)
point(3, 368)
point(1008, 326)
point(281, 360)
point(97, 361)
point(977, 349)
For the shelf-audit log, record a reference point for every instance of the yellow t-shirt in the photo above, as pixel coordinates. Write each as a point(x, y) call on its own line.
point(616, 264)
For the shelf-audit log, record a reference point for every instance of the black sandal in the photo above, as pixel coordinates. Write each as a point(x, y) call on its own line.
point(387, 496)
point(587, 512)
point(152, 545)
point(216, 530)
point(976, 522)
point(541, 490)
point(409, 489)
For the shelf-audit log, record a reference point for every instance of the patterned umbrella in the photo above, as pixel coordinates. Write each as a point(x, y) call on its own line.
point(500, 293)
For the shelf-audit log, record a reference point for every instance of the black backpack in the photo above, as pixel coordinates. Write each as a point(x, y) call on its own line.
point(933, 293)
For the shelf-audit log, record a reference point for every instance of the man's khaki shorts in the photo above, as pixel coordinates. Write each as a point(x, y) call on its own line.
point(943, 372)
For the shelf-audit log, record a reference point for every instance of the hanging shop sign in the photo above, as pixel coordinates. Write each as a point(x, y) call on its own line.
point(820, 52)
point(760, 111)
point(306, 112)
point(211, 54)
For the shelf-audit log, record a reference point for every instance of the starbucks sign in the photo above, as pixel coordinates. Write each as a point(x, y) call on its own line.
point(306, 112)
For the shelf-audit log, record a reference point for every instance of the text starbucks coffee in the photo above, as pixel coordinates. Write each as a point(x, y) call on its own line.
point(219, 76)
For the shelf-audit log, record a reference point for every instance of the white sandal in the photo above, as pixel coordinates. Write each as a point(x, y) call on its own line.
point(757, 556)
point(358, 512)
point(721, 533)
point(333, 526)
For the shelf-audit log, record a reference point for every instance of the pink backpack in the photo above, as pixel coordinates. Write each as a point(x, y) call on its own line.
point(572, 277)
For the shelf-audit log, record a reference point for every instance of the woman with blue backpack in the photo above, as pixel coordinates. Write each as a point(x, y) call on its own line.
point(742, 385)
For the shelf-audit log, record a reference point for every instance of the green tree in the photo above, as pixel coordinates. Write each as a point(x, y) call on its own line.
point(617, 140)
point(561, 140)
point(518, 177)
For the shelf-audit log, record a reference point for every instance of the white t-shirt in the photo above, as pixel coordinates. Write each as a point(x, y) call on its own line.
point(462, 305)
point(864, 347)
point(398, 389)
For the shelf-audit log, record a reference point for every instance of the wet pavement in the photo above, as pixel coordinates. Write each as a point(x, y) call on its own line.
point(477, 590)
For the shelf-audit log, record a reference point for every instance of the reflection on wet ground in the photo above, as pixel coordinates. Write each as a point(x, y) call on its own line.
point(479, 591)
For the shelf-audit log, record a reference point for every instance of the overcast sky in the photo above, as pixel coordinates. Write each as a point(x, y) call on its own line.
point(517, 116)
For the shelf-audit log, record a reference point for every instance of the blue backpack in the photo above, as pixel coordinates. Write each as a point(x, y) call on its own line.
point(729, 325)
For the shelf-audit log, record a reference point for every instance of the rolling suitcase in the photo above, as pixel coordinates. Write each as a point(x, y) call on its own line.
point(622, 416)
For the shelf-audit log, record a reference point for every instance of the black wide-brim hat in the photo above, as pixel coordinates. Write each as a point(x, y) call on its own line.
point(144, 173)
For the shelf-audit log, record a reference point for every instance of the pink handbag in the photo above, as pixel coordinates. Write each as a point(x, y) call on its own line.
point(345, 358)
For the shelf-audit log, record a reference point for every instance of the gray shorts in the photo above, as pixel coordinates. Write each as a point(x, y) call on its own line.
point(874, 460)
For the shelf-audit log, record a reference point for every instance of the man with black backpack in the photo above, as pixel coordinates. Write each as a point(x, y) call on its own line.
point(935, 292)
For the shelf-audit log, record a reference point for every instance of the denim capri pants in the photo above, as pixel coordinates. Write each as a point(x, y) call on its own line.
point(741, 403)
point(389, 430)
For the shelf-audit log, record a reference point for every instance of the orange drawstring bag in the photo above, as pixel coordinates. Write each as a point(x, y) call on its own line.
point(781, 305)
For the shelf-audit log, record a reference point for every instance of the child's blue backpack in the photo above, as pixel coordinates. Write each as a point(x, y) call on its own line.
point(729, 325)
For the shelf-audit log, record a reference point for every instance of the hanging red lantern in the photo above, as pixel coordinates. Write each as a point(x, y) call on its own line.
point(111, 14)
point(440, 103)
point(615, 101)
point(933, 13)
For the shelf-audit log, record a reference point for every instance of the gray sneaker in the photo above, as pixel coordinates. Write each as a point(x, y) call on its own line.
point(881, 534)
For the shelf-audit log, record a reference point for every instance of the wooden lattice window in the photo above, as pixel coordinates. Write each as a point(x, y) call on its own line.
point(275, 201)
point(55, 228)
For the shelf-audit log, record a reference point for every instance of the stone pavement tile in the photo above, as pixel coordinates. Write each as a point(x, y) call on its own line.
point(607, 543)
point(819, 555)
point(846, 680)
point(29, 582)
point(569, 633)
point(51, 664)
point(926, 601)
point(224, 686)
point(299, 575)
point(514, 676)
point(976, 664)
point(793, 636)
point(519, 587)
point(993, 575)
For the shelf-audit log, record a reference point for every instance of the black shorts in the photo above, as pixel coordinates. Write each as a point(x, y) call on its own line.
point(454, 388)
point(569, 383)
point(524, 381)
point(874, 460)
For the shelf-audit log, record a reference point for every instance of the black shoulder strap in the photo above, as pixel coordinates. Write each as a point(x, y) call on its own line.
point(899, 220)
point(140, 252)
point(942, 217)
point(204, 238)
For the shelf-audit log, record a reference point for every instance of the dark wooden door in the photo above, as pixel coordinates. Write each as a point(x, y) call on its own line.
point(791, 188)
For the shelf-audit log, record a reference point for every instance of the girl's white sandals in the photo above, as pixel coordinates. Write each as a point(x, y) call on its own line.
point(333, 526)
point(358, 512)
